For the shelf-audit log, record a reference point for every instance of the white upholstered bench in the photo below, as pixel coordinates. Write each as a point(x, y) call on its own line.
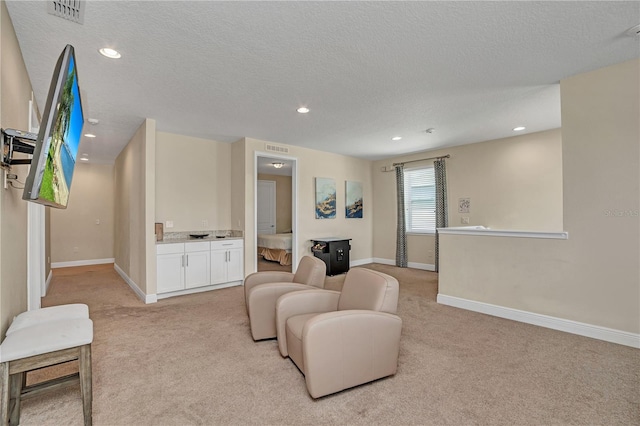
point(42, 339)
point(49, 314)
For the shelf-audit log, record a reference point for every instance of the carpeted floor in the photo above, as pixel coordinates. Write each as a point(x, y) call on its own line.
point(190, 360)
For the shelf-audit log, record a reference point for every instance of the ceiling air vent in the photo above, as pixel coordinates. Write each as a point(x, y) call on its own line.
point(277, 148)
point(71, 10)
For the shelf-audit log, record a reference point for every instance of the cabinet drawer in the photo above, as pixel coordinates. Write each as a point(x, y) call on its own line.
point(226, 244)
point(170, 248)
point(199, 246)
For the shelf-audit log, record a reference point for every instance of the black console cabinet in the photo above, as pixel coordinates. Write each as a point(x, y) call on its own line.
point(334, 252)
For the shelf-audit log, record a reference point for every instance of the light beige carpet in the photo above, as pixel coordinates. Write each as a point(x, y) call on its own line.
point(190, 360)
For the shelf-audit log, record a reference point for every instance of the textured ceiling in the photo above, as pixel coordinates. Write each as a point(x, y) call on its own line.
point(367, 70)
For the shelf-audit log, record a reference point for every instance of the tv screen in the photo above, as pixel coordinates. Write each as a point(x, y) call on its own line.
point(56, 148)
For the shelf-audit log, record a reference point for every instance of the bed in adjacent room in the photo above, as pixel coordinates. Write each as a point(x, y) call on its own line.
point(275, 247)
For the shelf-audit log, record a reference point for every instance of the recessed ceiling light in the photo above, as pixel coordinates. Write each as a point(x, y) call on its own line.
point(93, 121)
point(519, 128)
point(90, 135)
point(396, 138)
point(303, 110)
point(277, 165)
point(110, 53)
point(84, 159)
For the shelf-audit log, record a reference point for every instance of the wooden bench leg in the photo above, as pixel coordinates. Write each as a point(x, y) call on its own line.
point(16, 383)
point(84, 361)
point(5, 394)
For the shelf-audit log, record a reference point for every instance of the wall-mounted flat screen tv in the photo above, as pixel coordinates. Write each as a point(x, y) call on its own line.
point(56, 149)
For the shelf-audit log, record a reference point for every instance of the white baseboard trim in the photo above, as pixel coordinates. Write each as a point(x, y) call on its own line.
point(384, 261)
point(360, 262)
point(55, 265)
point(573, 327)
point(146, 298)
point(423, 266)
point(199, 289)
point(415, 265)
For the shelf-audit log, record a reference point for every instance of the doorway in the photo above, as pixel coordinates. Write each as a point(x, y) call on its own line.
point(275, 212)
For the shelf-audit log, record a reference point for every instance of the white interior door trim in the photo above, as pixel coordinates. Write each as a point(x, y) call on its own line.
point(36, 284)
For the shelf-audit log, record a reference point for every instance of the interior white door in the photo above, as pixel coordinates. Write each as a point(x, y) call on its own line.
point(266, 207)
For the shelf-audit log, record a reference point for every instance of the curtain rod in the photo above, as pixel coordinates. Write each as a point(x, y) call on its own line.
point(421, 159)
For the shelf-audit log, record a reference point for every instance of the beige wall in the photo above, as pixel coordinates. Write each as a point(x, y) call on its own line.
point(601, 149)
point(75, 235)
point(311, 164)
point(134, 248)
point(593, 277)
point(15, 92)
point(283, 201)
point(238, 185)
point(193, 183)
point(513, 183)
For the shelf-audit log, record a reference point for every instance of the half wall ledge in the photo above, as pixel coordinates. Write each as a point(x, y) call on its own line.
point(486, 232)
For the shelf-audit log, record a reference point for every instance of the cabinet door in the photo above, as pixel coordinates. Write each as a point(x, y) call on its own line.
point(197, 269)
point(170, 273)
point(235, 265)
point(218, 266)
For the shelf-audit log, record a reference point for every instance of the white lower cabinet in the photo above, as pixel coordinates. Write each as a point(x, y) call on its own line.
point(169, 267)
point(184, 266)
point(197, 268)
point(227, 261)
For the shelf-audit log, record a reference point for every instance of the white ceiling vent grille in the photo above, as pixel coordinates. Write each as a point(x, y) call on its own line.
point(277, 148)
point(71, 10)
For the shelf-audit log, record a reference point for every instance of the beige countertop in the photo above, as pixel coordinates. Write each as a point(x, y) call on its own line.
point(195, 240)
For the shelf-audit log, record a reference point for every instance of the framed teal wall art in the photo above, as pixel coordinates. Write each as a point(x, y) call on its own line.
point(353, 207)
point(325, 198)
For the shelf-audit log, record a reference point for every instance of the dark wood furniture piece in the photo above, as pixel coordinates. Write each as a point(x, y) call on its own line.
point(334, 252)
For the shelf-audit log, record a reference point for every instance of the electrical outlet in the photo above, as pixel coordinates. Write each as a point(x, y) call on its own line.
point(168, 224)
point(205, 223)
point(465, 220)
point(97, 221)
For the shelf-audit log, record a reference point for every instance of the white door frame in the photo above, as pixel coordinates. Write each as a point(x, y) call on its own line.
point(294, 204)
point(36, 284)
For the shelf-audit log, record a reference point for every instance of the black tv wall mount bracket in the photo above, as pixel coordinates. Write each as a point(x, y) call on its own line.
point(16, 141)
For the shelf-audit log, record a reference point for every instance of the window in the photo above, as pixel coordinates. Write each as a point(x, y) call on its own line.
point(420, 200)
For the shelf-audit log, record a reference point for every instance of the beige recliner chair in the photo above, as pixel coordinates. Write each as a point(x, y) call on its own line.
point(262, 289)
point(342, 339)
